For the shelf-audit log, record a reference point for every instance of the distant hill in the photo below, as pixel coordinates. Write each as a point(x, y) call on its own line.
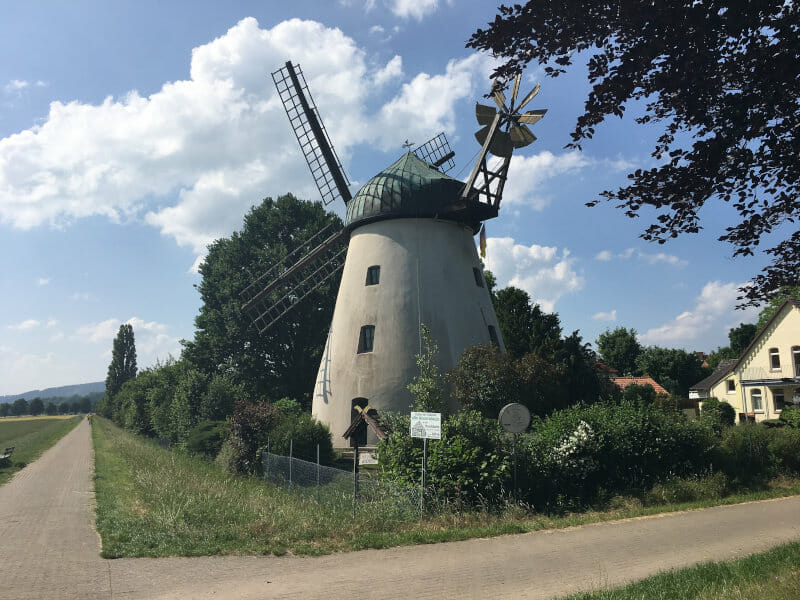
point(80, 389)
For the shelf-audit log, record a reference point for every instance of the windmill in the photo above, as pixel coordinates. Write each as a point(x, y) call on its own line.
point(406, 253)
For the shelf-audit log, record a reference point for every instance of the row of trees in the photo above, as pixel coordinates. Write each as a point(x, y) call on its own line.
point(55, 406)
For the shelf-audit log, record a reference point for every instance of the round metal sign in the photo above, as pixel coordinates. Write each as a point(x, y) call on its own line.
point(514, 418)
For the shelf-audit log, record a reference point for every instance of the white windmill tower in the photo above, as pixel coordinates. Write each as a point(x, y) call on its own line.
point(407, 255)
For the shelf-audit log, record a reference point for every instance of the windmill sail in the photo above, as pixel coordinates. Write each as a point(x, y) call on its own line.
point(302, 271)
point(311, 134)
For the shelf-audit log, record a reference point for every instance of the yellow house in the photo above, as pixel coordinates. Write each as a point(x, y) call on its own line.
point(766, 377)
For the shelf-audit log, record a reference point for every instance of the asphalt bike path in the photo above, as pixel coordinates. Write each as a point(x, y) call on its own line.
point(49, 549)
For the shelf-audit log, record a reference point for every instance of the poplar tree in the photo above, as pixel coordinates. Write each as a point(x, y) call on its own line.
point(123, 361)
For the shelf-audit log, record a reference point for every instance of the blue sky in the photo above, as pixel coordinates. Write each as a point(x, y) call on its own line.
point(134, 133)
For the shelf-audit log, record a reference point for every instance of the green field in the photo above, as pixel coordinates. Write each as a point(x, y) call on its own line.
point(30, 438)
point(773, 575)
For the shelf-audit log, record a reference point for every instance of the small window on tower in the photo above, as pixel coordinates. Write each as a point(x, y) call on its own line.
point(373, 275)
point(476, 272)
point(493, 335)
point(366, 339)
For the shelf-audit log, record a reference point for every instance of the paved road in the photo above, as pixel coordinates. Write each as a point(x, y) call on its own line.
point(48, 549)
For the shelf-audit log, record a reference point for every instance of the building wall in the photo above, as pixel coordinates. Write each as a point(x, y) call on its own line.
point(783, 334)
point(426, 275)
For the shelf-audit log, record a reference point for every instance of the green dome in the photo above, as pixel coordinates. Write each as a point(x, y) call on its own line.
point(409, 188)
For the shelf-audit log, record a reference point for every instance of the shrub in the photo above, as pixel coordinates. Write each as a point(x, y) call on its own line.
point(744, 454)
point(484, 380)
point(717, 415)
point(206, 438)
point(250, 427)
point(687, 489)
point(469, 466)
point(305, 433)
point(790, 416)
point(784, 446)
point(577, 455)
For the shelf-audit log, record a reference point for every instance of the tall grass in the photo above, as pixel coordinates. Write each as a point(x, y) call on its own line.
point(152, 502)
point(773, 575)
point(30, 438)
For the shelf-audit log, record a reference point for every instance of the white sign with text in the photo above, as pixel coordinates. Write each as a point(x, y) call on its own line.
point(426, 425)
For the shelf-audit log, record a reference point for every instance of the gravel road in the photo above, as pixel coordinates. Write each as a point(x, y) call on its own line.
point(49, 549)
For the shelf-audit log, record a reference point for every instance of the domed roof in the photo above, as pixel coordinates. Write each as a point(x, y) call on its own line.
point(409, 188)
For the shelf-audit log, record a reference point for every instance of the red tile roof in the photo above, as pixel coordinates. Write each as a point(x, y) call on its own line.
point(623, 382)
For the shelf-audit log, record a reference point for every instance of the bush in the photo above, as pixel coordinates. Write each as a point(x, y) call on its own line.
point(784, 446)
point(744, 454)
point(305, 433)
point(688, 489)
point(250, 427)
point(717, 415)
point(790, 416)
point(469, 466)
point(484, 380)
point(206, 438)
point(580, 454)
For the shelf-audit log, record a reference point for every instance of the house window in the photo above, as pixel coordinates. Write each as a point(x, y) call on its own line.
point(774, 359)
point(373, 275)
point(778, 400)
point(755, 400)
point(493, 335)
point(476, 272)
point(731, 386)
point(366, 339)
point(796, 360)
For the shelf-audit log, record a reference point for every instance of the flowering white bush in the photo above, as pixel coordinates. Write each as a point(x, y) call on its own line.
point(575, 452)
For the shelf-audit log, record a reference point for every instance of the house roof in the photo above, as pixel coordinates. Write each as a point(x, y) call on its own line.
point(711, 380)
point(623, 382)
point(724, 367)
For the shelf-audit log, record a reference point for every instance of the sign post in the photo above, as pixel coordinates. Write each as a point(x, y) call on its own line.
point(514, 418)
point(427, 426)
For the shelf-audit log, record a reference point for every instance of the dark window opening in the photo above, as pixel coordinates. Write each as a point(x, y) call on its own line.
point(774, 359)
point(373, 275)
point(366, 339)
point(778, 400)
point(493, 335)
point(731, 386)
point(476, 272)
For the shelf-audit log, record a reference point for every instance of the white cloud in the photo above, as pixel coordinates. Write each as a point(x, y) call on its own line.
point(425, 104)
point(605, 316)
point(152, 339)
point(25, 325)
point(79, 296)
point(392, 70)
point(542, 271)
point(15, 85)
point(527, 173)
point(655, 258)
point(706, 325)
point(43, 281)
point(416, 9)
point(195, 155)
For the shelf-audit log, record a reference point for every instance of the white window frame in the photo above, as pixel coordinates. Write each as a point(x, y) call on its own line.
point(796, 360)
point(777, 392)
point(730, 386)
point(775, 354)
point(753, 393)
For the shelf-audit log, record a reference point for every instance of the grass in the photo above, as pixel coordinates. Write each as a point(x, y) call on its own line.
point(30, 436)
point(152, 502)
point(773, 575)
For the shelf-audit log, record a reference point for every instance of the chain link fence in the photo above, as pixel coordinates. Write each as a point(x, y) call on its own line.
point(336, 487)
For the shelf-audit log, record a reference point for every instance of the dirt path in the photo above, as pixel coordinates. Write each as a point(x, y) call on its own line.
point(48, 549)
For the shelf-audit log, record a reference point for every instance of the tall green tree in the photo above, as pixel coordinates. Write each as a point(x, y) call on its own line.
point(123, 360)
point(722, 80)
point(282, 361)
point(673, 368)
point(20, 407)
point(619, 349)
point(36, 407)
point(525, 326)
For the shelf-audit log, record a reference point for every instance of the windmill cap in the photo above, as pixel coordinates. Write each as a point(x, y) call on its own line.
point(409, 188)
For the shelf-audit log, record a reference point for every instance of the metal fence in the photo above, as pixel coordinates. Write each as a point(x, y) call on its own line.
point(331, 486)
